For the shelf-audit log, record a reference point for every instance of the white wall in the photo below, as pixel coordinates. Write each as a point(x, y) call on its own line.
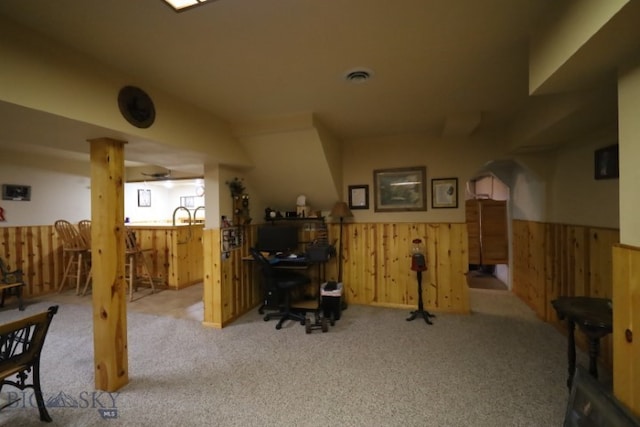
point(576, 197)
point(165, 198)
point(62, 190)
point(55, 194)
point(629, 125)
point(492, 188)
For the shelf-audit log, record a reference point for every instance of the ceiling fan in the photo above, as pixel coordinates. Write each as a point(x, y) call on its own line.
point(158, 175)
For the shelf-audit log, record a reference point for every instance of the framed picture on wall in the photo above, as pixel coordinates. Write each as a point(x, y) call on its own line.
point(444, 193)
point(606, 162)
point(358, 197)
point(188, 202)
point(144, 198)
point(16, 192)
point(401, 189)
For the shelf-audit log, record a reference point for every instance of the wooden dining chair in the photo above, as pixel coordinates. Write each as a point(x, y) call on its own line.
point(136, 262)
point(74, 251)
point(84, 228)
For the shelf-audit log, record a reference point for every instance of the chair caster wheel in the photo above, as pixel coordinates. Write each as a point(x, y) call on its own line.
point(278, 327)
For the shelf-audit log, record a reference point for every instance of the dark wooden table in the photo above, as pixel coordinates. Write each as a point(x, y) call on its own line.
point(594, 317)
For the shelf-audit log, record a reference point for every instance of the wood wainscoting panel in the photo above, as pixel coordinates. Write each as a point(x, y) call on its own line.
point(552, 260)
point(37, 251)
point(529, 281)
point(626, 320)
point(174, 253)
point(446, 289)
point(231, 284)
point(377, 265)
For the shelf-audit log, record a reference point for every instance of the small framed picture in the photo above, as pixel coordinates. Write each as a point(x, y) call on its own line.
point(606, 163)
point(444, 193)
point(144, 198)
point(16, 192)
point(188, 202)
point(358, 197)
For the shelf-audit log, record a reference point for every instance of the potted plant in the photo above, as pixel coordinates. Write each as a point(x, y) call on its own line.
point(236, 186)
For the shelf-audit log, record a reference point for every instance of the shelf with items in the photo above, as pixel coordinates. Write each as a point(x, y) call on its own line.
point(241, 210)
point(311, 230)
point(273, 215)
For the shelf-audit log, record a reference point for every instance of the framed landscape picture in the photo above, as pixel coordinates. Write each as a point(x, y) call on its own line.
point(400, 189)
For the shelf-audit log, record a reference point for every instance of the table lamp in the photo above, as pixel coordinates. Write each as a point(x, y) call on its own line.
point(342, 211)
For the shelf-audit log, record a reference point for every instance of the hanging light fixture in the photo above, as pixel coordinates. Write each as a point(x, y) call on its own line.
point(181, 5)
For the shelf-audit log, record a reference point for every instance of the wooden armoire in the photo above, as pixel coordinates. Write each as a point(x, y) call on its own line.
point(488, 232)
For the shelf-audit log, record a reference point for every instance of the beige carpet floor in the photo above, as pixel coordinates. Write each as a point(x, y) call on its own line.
point(498, 366)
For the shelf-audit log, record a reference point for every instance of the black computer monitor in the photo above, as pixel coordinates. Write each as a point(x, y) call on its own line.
point(277, 238)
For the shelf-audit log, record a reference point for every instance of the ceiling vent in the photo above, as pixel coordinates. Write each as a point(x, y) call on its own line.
point(359, 75)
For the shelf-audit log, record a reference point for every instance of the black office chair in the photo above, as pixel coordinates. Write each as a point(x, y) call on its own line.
point(277, 286)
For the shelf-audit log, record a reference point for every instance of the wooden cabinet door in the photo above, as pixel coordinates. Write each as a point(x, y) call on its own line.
point(487, 230)
point(473, 230)
point(494, 239)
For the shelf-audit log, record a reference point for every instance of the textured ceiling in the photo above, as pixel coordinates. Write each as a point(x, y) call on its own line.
point(442, 67)
point(247, 59)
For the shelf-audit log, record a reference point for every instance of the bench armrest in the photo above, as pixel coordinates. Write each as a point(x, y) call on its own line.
point(12, 276)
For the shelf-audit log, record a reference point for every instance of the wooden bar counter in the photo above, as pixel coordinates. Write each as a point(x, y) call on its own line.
point(176, 256)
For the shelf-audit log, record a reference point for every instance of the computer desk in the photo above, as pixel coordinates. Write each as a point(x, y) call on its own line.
point(306, 303)
point(299, 263)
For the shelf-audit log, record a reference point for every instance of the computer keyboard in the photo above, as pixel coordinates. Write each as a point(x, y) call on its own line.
point(290, 255)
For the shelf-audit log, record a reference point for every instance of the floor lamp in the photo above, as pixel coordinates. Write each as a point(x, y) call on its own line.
point(342, 211)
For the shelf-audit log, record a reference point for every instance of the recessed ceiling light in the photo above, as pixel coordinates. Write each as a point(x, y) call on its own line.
point(180, 5)
point(358, 75)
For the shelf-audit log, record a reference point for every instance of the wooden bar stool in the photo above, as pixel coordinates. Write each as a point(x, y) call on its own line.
point(136, 261)
point(75, 251)
point(84, 228)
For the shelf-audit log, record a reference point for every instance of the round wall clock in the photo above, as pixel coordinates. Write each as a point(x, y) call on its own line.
point(136, 106)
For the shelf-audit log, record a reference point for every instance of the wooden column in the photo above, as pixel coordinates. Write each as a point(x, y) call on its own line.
point(213, 292)
point(107, 263)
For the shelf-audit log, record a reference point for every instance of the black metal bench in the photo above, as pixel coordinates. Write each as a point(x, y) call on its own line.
point(11, 284)
point(590, 404)
point(21, 344)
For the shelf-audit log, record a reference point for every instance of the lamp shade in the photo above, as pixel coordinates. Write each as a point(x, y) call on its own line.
point(341, 210)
